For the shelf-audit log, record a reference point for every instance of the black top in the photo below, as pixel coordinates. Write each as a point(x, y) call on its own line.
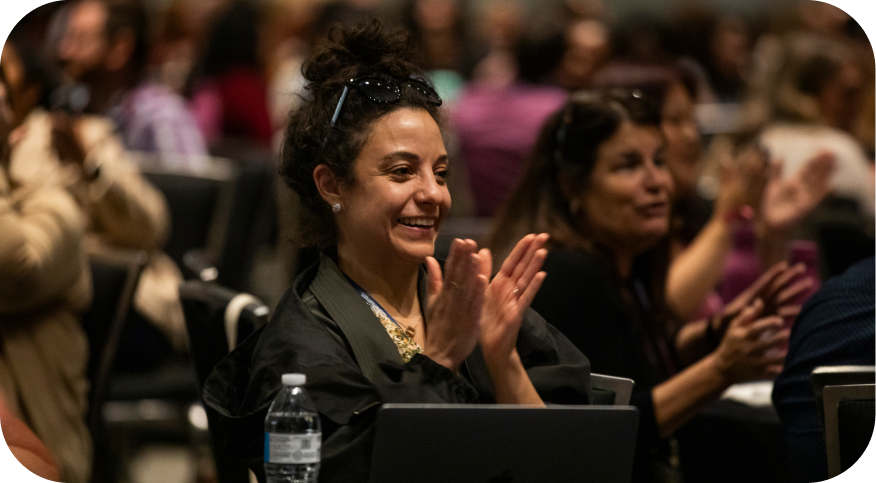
point(324, 329)
point(583, 298)
point(835, 328)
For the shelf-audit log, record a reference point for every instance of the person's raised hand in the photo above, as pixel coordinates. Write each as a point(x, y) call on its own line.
point(753, 348)
point(742, 181)
point(65, 139)
point(786, 201)
point(454, 305)
point(509, 294)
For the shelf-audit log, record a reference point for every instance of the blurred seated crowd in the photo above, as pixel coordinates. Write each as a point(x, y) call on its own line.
point(699, 176)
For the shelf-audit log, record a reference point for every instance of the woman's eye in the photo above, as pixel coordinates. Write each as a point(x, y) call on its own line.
point(442, 173)
point(402, 171)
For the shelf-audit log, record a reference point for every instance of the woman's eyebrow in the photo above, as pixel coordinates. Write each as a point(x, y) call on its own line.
point(409, 156)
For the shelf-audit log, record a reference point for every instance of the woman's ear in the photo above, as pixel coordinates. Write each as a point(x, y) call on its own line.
point(327, 184)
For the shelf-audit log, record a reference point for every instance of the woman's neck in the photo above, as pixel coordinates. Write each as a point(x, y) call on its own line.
point(391, 283)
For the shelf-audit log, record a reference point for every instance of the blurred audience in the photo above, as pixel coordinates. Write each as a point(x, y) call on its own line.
point(440, 32)
point(835, 328)
point(814, 100)
point(228, 85)
point(105, 47)
point(498, 117)
point(44, 288)
point(746, 132)
point(597, 183)
point(120, 207)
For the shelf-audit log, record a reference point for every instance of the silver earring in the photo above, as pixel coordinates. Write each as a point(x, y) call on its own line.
point(336, 208)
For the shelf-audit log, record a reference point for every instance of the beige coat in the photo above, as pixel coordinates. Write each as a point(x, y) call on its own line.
point(122, 208)
point(44, 288)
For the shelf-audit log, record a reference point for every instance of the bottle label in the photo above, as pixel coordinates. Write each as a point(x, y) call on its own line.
point(292, 448)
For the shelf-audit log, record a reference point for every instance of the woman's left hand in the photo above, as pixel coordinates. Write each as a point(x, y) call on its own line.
point(508, 296)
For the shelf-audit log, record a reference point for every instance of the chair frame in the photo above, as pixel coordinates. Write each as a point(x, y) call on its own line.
point(833, 395)
point(133, 261)
point(620, 386)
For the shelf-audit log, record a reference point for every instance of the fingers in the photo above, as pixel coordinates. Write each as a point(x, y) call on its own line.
point(748, 314)
point(531, 262)
point(528, 294)
point(816, 175)
point(795, 291)
point(486, 262)
point(516, 254)
point(434, 281)
point(781, 282)
point(755, 289)
point(789, 311)
point(763, 328)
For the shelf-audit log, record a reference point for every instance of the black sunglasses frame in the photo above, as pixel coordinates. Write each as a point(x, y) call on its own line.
point(394, 90)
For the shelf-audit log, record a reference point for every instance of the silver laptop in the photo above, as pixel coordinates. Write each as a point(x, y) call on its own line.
point(448, 443)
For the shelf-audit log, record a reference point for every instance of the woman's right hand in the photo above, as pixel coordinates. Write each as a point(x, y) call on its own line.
point(753, 347)
point(454, 307)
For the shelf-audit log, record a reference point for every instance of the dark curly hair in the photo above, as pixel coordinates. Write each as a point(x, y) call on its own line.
point(365, 50)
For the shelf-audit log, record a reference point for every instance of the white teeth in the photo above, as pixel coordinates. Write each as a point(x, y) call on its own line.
point(426, 222)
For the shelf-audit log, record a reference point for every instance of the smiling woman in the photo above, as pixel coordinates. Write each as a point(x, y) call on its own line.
point(378, 319)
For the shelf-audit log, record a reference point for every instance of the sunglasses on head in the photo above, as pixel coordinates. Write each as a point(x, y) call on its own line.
point(385, 91)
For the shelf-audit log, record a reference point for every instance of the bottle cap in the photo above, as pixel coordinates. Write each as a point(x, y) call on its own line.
point(294, 379)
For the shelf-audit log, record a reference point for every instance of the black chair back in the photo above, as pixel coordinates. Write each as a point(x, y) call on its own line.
point(199, 202)
point(216, 320)
point(845, 397)
point(848, 424)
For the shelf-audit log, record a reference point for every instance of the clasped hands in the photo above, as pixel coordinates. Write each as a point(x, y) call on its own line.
point(466, 308)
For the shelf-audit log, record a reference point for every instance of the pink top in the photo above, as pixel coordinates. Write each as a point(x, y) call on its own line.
point(497, 128)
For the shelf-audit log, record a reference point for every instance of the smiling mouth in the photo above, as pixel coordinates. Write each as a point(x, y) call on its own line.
point(417, 222)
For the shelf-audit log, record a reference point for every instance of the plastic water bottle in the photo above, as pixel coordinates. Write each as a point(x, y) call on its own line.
point(292, 435)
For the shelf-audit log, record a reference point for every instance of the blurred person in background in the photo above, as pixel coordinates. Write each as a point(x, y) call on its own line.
point(498, 115)
point(45, 286)
point(440, 32)
point(181, 27)
point(290, 29)
point(596, 182)
point(104, 45)
point(813, 103)
point(228, 88)
point(121, 208)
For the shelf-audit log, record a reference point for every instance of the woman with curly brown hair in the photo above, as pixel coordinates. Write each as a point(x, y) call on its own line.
point(374, 321)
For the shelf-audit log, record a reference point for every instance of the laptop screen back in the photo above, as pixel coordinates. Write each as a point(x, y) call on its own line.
point(503, 444)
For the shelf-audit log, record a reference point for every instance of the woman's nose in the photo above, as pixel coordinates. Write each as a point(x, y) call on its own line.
point(430, 191)
point(657, 177)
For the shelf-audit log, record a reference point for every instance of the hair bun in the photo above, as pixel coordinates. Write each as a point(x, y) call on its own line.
point(368, 49)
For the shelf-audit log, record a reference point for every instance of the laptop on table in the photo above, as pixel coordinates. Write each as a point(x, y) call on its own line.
point(450, 443)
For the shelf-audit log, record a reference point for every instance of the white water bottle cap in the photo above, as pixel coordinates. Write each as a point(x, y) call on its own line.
point(293, 379)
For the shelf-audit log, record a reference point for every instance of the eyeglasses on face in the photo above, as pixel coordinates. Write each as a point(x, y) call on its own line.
point(386, 91)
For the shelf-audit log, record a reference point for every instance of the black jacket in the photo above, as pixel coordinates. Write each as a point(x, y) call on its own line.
point(324, 329)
